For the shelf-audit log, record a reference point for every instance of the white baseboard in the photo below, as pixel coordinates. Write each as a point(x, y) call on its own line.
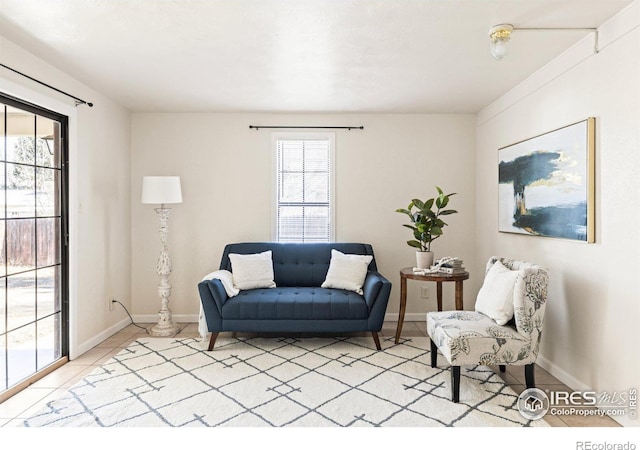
point(408, 317)
point(88, 345)
point(574, 384)
point(193, 318)
point(561, 374)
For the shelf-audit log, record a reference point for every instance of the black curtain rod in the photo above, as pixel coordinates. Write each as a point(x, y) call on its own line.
point(257, 127)
point(79, 101)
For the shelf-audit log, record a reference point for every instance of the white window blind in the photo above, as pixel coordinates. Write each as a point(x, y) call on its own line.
point(304, 192)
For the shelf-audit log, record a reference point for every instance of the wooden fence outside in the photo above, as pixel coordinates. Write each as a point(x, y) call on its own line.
point(21, 248)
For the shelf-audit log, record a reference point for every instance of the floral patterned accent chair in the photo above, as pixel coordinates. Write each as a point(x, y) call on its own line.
point(505, 327)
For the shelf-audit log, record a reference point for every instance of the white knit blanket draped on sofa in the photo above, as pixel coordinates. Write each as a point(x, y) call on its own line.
point(227, 281)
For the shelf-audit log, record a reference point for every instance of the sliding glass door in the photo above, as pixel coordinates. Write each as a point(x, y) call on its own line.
point(33, 256)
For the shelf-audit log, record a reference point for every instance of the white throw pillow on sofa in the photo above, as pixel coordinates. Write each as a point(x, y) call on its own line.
point(495, 298)
point(252, 271)
point(347, 271)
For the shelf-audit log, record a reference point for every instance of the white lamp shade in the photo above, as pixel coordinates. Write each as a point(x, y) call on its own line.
point(160, 190)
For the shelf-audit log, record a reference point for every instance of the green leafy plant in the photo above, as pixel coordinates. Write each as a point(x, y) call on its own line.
point(426, 223)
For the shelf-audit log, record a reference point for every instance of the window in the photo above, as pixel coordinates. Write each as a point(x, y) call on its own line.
point(304, 187)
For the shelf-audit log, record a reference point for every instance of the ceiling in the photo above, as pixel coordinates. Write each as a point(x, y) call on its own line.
point(297, 55)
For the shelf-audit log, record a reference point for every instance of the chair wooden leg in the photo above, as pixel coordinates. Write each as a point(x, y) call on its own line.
point(376, 339)
point(503, 368)
point(212, 341)
point(455, 384)
point(529, 375)
point(434, 353)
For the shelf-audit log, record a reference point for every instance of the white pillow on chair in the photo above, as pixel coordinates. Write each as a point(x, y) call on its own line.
point(252, 271)
point(495, 298)
point(347, 271)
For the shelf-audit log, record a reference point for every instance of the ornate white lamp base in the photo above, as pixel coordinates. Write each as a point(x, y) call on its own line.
point(165, 326)
point(163, 330)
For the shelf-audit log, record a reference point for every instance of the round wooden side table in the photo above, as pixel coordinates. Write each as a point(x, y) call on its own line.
point(439, 278)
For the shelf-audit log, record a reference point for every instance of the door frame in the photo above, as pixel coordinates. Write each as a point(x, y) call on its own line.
point(65, 322)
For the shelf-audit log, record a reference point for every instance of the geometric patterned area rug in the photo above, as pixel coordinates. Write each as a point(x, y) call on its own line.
point(281, 382)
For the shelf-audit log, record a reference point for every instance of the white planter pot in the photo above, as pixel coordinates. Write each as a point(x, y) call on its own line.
point(424, 260)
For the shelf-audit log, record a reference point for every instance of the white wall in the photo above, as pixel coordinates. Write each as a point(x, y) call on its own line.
point(100, 192)
point(226, 181)
point(590, 338)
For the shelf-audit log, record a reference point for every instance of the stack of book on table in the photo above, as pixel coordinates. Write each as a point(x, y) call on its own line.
point(449, 265)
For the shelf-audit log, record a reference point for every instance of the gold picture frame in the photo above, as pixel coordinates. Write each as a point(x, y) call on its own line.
point(546, 184)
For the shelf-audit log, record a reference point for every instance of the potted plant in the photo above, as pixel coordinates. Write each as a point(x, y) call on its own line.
point(426, 224)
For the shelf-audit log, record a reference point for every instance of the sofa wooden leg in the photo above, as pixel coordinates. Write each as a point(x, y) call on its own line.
point(434, 353)
point(529, 376)
point(212, 341)
point(455, 384)
point(376, 339)
point(503, 368)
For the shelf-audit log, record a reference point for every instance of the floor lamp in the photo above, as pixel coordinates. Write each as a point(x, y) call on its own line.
point(162, 191)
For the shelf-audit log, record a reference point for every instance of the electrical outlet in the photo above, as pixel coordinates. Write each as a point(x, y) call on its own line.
point(424, 291)
point(112, 303)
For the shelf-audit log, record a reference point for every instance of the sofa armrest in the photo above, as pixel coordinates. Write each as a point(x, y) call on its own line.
point(213, 290)
point(374, 283)
point(376, 294)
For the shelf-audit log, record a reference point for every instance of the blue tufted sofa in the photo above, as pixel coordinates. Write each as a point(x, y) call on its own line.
point(297, 303)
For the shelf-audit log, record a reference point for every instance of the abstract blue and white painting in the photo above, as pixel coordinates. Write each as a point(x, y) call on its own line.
point(546, 184)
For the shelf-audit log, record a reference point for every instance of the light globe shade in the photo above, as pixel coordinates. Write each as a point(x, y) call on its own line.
point(498, 49)
point(161, 190)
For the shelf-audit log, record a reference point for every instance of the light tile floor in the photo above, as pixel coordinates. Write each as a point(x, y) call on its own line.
point(33, 398)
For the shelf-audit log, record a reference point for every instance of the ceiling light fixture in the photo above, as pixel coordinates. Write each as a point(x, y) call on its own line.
point(500, 35)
